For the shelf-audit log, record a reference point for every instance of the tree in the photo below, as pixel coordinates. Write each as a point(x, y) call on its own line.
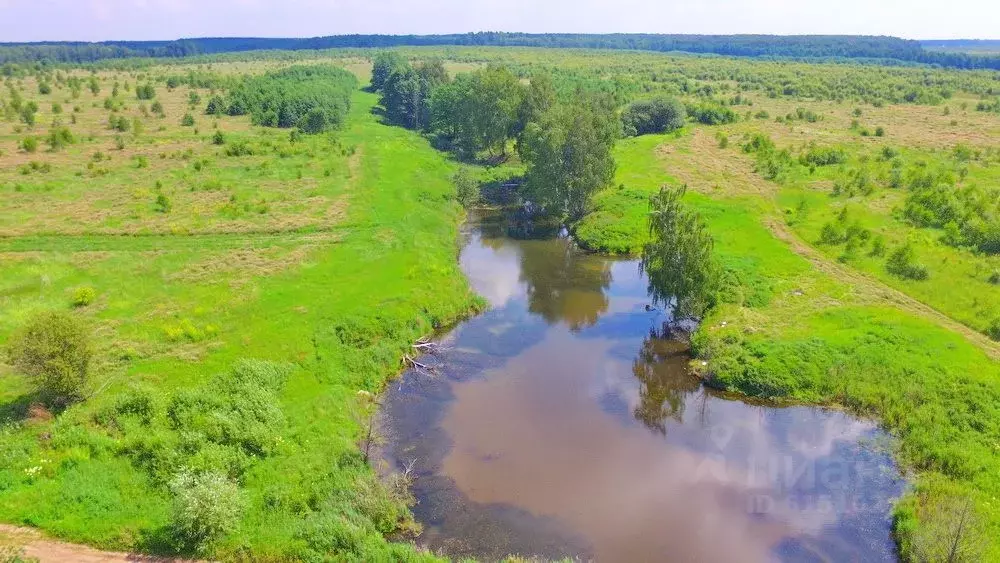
point(384, 64)
point(539, 97)
point(659, 115)
point(54, 350)
point(679, 259)
point(568, 153)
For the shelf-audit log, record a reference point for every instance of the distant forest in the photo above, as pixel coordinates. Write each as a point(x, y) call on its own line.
point(794, 46)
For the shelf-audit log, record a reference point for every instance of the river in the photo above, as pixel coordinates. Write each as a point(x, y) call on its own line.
point(565, 422)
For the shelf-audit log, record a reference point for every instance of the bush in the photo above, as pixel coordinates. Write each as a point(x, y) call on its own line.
point(825, 156)
point(157, 108)
point(145, 92)
point(995, 277)
point(712, 114)
point(29, 144)
point(466, 188)
point(901, 263)
point(205, 508)
point(219, 138)
point(660, 115)
point(240, 148)
point(162, 204)
point(83, 296)
point(59, 138)
point(53, 349)
point(187, 120)
point(216, 106)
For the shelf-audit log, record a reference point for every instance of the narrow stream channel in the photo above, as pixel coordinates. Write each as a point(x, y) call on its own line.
point(564, 422)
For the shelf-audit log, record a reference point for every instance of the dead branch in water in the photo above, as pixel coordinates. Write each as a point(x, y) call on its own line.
point(410, 362)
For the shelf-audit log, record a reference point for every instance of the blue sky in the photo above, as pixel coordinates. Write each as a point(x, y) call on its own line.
point(94, 20)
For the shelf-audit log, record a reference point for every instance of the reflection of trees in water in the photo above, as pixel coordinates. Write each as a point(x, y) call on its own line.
point(564, 284)
point(662, 370)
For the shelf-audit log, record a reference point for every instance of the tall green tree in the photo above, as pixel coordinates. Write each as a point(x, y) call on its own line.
point(384, 64)
point(539, 97)
point(568, 152)
point(678, 259)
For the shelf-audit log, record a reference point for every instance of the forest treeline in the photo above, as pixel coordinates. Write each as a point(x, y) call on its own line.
point(792, 46)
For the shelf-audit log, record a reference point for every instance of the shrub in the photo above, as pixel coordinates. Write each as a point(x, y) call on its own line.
point(825, 156)
point(240, 148)
point(712, 114)
point(219, 138)
point(162, 204)
point(157, 108)
point(59, 138)
point(216, 106)
point(659, 115)
point(466, 189)
point(83, 296)
point(995, 277)
point(53, 349)
point(901, 263)
point(993, 331)
point(145, 92)
point(44, 88)
point(206, 507)
point(880, 131)
point(29, 144)
point(187, 120)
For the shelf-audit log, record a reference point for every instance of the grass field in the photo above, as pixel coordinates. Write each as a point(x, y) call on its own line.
point(329, 256)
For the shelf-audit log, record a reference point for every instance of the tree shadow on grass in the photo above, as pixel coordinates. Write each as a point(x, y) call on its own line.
point(18, 408)
point(160, 543)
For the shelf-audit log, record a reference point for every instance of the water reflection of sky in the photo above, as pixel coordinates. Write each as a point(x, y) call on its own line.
point(569, 337)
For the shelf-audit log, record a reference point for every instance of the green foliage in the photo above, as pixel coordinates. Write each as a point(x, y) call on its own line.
point(84, 296)
point(312, 98)
point(145, 92)
point(161, 204)
point(219, 138)
point(59, 137)
point(53, 349)
point(119, 123)
point(187, 120)
point(659, 115)
point(466, 187)
point(480, 111)
point(383, 65)
point(44, 88)
point(216, 106)
point(157, 108)
point(678, 259)
point(901, 262)
point(569, 156)
point(206, 507)
point(824, 156)
point(29, 144)
point(712, 113)
point(239, 148)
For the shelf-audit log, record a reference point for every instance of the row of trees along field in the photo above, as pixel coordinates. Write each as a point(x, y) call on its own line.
point(566, 147)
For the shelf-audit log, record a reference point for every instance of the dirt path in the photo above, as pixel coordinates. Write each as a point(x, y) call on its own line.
point(34, 546)
point(876, 291)
point(732, 175)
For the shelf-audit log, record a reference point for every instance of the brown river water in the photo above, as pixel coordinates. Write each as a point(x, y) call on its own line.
point(564, 422)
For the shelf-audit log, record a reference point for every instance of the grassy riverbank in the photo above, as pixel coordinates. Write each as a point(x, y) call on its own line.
point(343, 255)
point(800, 327)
